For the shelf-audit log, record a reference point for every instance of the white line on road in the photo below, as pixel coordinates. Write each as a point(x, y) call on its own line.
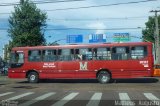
point(125, 99)
point(37, 99)
point(124, 96)
point(20, 96)
point(150, 96)
point(65, 99)
point(94, 101)
point(7, 93)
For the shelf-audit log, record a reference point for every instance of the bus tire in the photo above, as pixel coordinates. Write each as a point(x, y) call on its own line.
point(33, 77)
point(104, 77)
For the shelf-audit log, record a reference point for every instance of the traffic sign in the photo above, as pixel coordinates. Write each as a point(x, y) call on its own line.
point(121, 37)
point(74, 38)
point(97, 38)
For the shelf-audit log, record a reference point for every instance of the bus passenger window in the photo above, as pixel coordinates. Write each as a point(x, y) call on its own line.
point(89, 54)
point(86, 54)
point(66, 54)
point(34, 55)
point(94, 54)
point(49, 55)
point(120, 53)
point(103, 54)
point(138, 52)
point(83, 54)
point(77, 55)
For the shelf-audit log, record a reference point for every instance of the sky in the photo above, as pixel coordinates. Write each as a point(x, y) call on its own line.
point(111, 17)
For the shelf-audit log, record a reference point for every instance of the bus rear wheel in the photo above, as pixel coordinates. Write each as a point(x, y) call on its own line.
point(33, 77)
point(104, 77)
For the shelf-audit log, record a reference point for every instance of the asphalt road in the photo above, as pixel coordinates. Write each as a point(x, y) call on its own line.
point(122, 92)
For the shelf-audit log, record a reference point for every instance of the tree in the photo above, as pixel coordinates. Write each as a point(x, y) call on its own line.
point(27, 25)
point(148, 33)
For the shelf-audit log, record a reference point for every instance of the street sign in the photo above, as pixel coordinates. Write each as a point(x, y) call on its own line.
point(97, 38)
point(121, 37)
point(74, 38)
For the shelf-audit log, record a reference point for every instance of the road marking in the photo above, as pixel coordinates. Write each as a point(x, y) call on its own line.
point(94, 101)
point(150, 96)
point(20, 96)
point(37, 99)
point(7, 93)
point(65, 99)
point(124, 96)
point(125, 99)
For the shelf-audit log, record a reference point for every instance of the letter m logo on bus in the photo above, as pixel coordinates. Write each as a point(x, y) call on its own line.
point(83, 66)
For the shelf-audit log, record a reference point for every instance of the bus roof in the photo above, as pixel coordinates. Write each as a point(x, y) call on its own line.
point(83, 45)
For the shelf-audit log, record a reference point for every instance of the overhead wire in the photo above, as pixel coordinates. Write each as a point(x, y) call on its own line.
point(104, 5)
point(93, 6)
point(39, 2)
point(94, 19)
point(98, 19)
point(133, 28)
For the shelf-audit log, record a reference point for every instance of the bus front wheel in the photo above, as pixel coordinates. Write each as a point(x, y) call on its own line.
point(33, 77)
point(103, 77)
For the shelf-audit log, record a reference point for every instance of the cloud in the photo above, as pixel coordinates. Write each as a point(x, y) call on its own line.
point(97, 26)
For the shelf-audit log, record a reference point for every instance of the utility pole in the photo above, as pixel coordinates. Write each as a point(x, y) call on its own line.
point(157, 38)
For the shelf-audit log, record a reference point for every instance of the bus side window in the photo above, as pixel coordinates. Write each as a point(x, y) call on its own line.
point(34, 55)
point(59, 55)
point(72, 54)
point(138, 52)
point(66, 54)
point(89, 54)
point(83, 54)
point(86, 53)
point(95, 54)
point(78, 56)
point(120, 53)
point(103, 54)
point(108, 57)
point(49, 55)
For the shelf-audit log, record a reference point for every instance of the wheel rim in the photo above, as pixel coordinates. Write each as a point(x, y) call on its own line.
point(104, 78)
point(32, 77)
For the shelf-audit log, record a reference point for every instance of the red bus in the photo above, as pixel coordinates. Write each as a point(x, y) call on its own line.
point(89, 61)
